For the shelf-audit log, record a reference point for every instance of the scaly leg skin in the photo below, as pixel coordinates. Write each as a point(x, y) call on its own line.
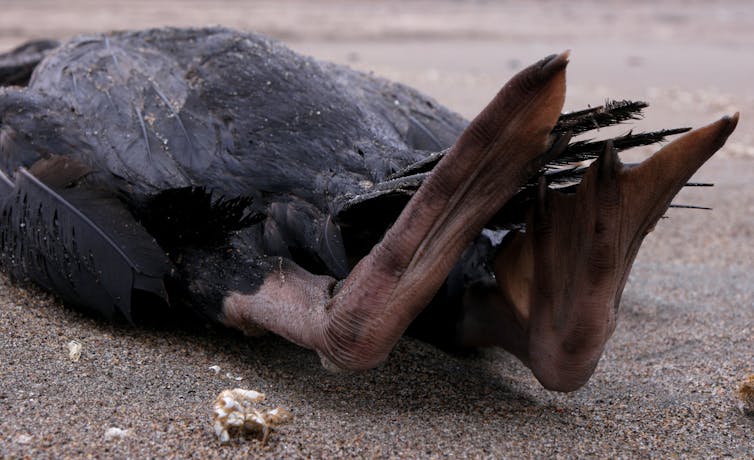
point(354, 324)
point(560, 283)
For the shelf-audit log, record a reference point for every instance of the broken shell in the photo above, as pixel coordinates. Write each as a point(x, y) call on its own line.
point(234, 413)
point(23, 439)
point(115, 433)
point(74, 350)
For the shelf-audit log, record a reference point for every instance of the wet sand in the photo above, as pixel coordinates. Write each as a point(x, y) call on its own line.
point(685, 336)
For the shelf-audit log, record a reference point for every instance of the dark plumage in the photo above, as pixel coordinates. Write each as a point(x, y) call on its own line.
point(170, 120)
point(216, 173)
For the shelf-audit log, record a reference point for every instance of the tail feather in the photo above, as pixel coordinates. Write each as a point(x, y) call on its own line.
point(589, 150)
point(574, 123)
point(611, 113)
point(564, 170)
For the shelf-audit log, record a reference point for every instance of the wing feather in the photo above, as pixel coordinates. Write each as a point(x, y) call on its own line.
point(80, 243)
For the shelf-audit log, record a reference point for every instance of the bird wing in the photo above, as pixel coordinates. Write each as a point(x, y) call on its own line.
point(81, 243)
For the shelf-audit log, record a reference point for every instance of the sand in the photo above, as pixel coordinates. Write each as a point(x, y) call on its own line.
point(665, 386)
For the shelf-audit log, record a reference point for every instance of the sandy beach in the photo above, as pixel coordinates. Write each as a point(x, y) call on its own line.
point(685, 337)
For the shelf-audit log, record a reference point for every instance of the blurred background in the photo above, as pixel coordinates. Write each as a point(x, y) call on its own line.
point(665, 385)
point(692, 60)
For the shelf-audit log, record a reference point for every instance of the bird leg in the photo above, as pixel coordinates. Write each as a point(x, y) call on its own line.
point(355, 323)
point(559, 283)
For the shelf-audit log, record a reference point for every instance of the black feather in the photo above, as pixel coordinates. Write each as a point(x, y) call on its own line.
point(573, 123)
point(80, 243)
point(612, 113)
point(6, 186)
point(193, 216)
point(389, 197)
point(422, 166)
point(310, 237)
point(331, 248)
point(690, 206)
point(589, 150)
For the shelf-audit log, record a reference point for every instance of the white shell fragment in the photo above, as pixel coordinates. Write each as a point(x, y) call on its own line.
point(237, 378)
point(115, 433)
point(746, 395)
point(215, 369)
point(74, 350)
point(23, 439)
point(235, 413)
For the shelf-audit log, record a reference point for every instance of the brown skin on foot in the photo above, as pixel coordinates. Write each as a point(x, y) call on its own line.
point(495, 156)
point(558, 284)
point(561, 281)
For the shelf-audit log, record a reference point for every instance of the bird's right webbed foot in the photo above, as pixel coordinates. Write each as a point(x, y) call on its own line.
point(559, 282)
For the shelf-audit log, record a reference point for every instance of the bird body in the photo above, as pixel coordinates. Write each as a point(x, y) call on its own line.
point(217, 173)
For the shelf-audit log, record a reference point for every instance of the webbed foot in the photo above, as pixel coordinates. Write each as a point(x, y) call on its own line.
point(561, 281)
point(558, 285)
